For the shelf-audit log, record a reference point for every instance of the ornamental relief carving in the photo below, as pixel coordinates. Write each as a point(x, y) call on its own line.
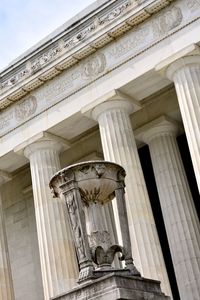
point(137, 39)
point(50, 55)
point(75, 78)
point(98, 64)
point(72, 209)
point(45, 58)
point(6, 119)
point(26, 108)
point(148, 33)
point(193, 4)
point(167, 21)
point(94, 66)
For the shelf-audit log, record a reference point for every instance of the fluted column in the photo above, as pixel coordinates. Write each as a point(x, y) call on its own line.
point(119, 146)
point(180, 217)
point(185, 72)
point(6, 284)
point(57, 254)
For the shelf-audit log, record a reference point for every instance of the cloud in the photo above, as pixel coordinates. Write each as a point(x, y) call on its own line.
point(23, 23)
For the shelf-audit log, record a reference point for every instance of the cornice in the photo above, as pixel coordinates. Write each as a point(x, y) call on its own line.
point(76, 43)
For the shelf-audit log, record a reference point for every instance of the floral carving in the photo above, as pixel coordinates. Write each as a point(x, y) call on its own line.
point(94, 65)
point(14, 79)
point(53, 53)
point(90, 196)
point(115, 13)
point(80, 36)
point(26, 108)
point(45, 58)
point(167, 21)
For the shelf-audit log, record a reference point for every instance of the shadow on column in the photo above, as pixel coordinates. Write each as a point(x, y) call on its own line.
point(156, 208)
point(187, 162)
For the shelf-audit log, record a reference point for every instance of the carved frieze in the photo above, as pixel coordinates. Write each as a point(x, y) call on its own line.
point(18, 113)
point(97, 65)
point(167, 21)
point(64, 46)
point(115, 13)
point(94, 65)
point(193, 4)
point(6, 119)
point(14, 79)
point(47, 57)
point(26, 108)
point(149, 32)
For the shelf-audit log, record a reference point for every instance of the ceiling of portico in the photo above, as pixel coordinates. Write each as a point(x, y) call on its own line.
point(155, 94)
point(145, 85)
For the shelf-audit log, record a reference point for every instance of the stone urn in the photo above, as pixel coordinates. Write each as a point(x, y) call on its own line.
point(87, 187)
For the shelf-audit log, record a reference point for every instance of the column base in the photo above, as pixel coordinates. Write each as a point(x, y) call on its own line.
point(116, 286)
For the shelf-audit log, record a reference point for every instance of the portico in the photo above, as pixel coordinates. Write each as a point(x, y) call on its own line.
point(123, 75)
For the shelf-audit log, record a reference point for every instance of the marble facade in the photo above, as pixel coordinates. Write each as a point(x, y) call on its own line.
point(119, 76)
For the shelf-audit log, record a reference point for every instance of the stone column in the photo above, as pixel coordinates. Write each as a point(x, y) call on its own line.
point(57, 254)
point(119, 146)
point(180, 217)
point(185, 72)
point(6, 284)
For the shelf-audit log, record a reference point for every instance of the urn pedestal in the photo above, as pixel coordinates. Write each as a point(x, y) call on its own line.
point(116, 287)
point(88, 187)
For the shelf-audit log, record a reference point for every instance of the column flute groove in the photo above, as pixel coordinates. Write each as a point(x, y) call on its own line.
point(57, 254)
point(6, 283)
point(185, 73)
point(179, 213)
point(119, 146)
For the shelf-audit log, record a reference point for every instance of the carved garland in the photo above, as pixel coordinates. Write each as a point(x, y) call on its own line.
point(64, 46)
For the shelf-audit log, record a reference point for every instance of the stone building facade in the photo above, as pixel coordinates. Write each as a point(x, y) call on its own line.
point(120, 82)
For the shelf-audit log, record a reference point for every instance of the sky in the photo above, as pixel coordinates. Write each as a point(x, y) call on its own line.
point(23, 23)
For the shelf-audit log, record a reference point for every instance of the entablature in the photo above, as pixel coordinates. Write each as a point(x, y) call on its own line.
point(66, 49)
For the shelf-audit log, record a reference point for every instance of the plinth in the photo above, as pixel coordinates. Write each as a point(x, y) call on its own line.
point(116, 286)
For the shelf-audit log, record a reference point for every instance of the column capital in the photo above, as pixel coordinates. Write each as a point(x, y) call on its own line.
point(159, 127)
point(187, 56)
point(104, 103)
point(181, 63)
point(41, 141)
point(4, 177)
point(112, 105)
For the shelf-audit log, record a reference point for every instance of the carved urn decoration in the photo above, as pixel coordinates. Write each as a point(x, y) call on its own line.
point(88, 188)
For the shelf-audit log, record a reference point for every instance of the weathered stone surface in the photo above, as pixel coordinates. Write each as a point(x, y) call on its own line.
point(114, 286)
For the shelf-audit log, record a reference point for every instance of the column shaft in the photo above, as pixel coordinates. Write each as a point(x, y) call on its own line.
point(119, 146)
point(6, 286)
point(180, 217)
point(186, 76)
point(57, 254)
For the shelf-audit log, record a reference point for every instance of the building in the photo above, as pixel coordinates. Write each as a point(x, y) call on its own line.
point(120, 76)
